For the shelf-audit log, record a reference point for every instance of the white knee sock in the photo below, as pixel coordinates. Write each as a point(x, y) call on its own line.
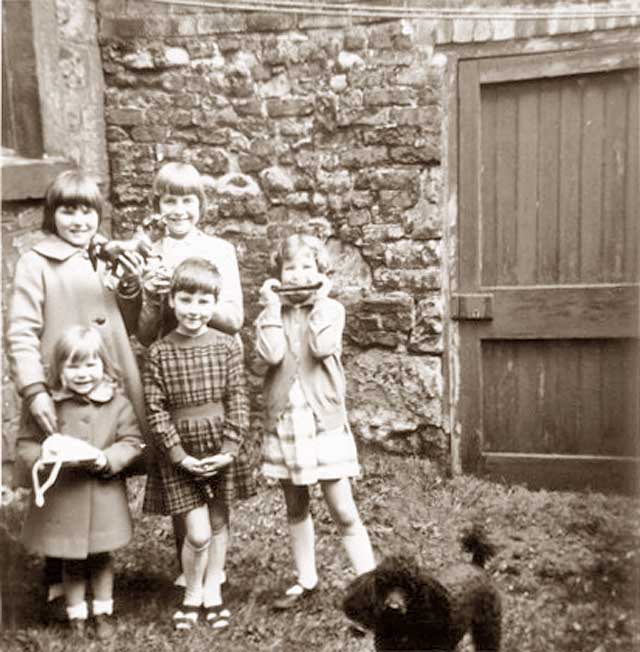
point(214, 574)
point(303, 545)
point(359, 550)
point(194, 562)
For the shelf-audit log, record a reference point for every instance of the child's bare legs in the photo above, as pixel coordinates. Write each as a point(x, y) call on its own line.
point(302, 533)
point(74, 580)
point(219, 519)
point(195, 554)
point(343, 510)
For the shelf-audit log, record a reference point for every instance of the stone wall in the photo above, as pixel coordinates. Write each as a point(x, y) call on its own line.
point(324, 122)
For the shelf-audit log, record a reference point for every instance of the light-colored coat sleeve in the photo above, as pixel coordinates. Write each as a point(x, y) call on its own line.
point(326, 324)
point(271, 342)
point(26, 322)
point(128, 444)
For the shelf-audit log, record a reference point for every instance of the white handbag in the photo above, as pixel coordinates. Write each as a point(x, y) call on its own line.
point(57, 450)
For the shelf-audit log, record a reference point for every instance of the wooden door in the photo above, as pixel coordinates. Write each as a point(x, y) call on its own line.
point(547, 284)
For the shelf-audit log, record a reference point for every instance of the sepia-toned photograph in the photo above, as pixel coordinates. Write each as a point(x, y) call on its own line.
point(321, 326)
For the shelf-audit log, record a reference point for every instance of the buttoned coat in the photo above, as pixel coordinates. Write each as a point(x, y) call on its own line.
point(55, 287)
point(83, 513)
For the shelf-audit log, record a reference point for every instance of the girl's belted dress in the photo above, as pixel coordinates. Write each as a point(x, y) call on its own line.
point(197, 404)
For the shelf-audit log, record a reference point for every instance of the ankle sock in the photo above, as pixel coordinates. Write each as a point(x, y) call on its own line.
point(78, 611)
point(99, 607)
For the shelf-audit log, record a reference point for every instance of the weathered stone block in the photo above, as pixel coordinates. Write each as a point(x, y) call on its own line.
point(124, 117)
point(276, 180)
point(404, 397)
point(390, 97)
point(408, 280)
point(363, 157)
point(284, 108)
point(427, 334)
point(270, 22)
point(424, 151)
point(381, 232)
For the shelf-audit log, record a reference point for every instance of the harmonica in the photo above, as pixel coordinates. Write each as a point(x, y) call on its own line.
point(287, 289)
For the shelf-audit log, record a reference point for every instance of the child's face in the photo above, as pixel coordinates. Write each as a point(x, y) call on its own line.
point(180, 213)
point(82, 376)
point(76, 224)
point(193, 310)
point(301, 269)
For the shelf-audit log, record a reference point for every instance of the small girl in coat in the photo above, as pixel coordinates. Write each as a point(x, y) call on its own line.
point(307, 435)
point(85, 515)
point(198, 414)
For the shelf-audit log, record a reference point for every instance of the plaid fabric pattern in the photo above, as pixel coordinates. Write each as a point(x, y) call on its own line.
point(182, 372)
point(299, 452)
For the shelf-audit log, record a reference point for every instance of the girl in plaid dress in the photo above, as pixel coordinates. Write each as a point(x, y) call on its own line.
point(198, 414)
point(308, 439)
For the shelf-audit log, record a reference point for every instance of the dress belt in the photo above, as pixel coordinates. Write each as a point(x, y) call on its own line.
point(205, 410)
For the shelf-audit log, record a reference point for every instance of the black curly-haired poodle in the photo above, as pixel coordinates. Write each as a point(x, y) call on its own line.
point(409, 609)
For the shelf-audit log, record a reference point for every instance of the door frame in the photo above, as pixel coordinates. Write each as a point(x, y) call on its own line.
point(496, 62)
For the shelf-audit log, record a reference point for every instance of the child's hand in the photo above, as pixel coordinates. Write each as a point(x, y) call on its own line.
point(100, 464)
point(192, 465)
point(157, 280)
point(215, 463)
point(323, 291)
point(267, 295)
point(44, 412)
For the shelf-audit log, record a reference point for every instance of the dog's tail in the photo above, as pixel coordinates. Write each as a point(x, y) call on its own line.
point(475, 541)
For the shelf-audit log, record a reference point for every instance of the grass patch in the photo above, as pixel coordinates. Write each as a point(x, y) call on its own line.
point(568, 567)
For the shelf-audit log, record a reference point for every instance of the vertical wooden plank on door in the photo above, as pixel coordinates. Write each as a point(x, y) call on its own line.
point(614, 174)
point(569, 181)
point(488, 224)
point(591, 183)
point(506, 143)
point(548, 158)
point(527, 183)
point(567, 361)
point(469, 272)
point(632, 187)
point(591, 396)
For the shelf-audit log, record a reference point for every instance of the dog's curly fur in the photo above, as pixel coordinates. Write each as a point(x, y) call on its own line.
point(408, 609)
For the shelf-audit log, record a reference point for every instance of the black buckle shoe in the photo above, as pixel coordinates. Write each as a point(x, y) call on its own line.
point(292, 597)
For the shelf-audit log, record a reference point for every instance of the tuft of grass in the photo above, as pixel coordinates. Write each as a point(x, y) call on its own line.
point(567, 565)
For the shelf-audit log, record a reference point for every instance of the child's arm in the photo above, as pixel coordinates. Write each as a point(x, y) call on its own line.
point(326, 324)
point(228, 316)
point(161, 426)
point(270, 338)
point(28, 450)
point(236, 402)
point(128, 445)
point(26, 324)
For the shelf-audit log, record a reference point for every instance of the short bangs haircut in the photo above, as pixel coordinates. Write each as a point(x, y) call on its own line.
point(291, 245)
point(178, 179)
point(75, 345)
point(196, 275)
point(70, 188)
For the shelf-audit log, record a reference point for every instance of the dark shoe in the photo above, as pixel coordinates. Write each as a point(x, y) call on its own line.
point(292, 597)
point(77, 626)
point(105, 626)
point(185, 618)
point(217, 617)
point(55, 611)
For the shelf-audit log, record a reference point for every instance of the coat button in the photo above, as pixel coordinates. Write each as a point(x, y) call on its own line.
point(85, 420)
point(100, 321)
